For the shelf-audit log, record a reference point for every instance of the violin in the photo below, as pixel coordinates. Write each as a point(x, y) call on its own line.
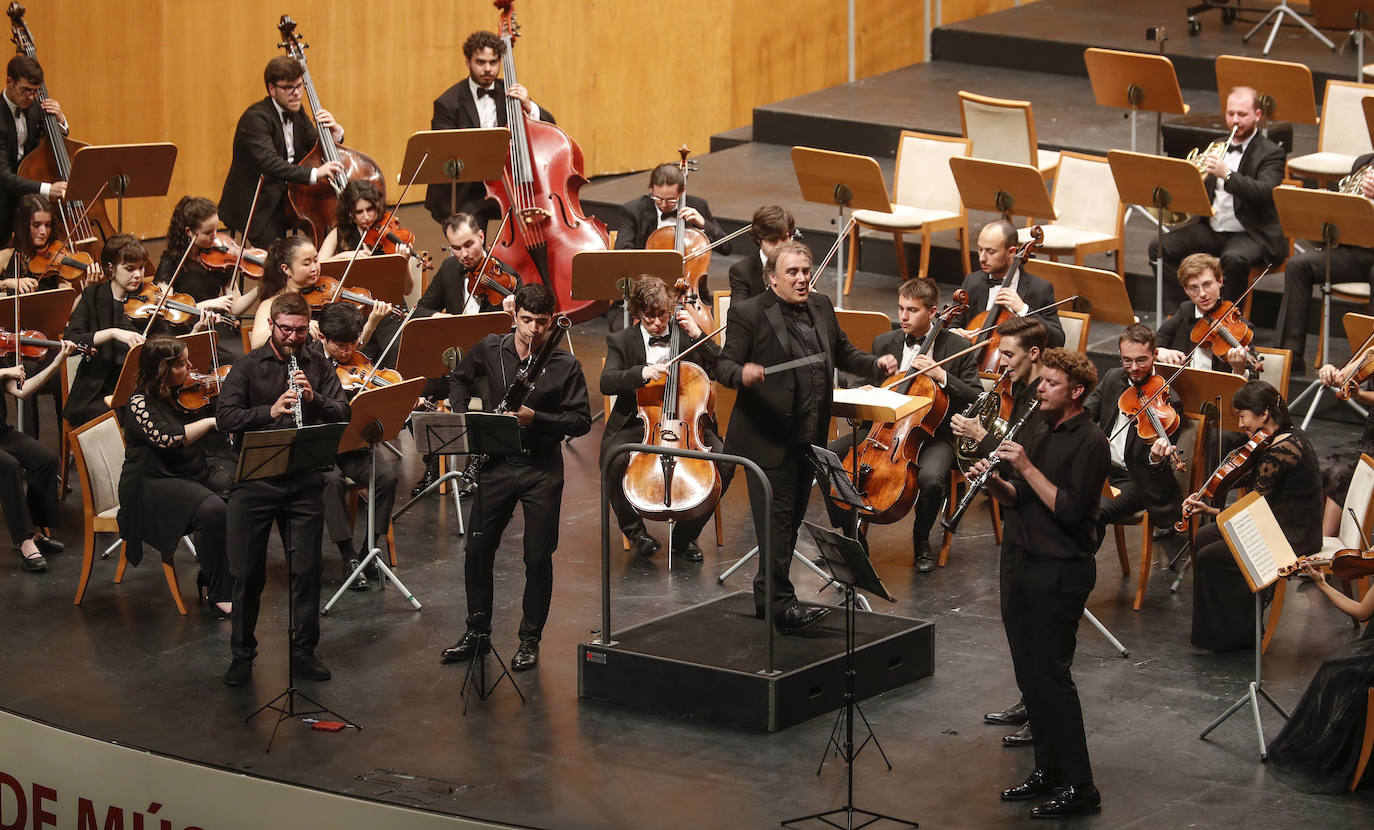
point(490, 284)
point(53, 259)
point(1227, 473)
point(999, 314)
point(387, 236)
point(218, 258)
point(540, 185)
point(1232, 332)
point(674, 409)
point(358, 374)
point(887, 456)
point(1357, 370)
point(35, 345)
point(322, 292)
point(201, 388)
point(312, 205)
point(1147, 403)
point(691, 242)
point(177, 310)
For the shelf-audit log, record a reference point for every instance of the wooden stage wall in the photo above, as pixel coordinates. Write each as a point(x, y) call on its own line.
point(629, 80)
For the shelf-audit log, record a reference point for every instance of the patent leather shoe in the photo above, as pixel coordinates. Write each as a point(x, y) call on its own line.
point(925, 563)
point(48, 546)
point(32, 564)
point(527, 656)
point(798, 617)
point(645, 545)
point(359, 584)
point(470, 644)
point(1013, 715)
point(1039, 782)
point(431, 474)
point(690, 551)
point(1021, 737)
point(310, 667)
point(1070, 801)
point(239, 673)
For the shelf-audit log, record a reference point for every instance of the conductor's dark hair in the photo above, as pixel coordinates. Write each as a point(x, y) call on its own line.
point(160, 353)
point(24, 68)
point(666, 173)
point(477, 41)
point(341, 323)
point(534, 298)
point(282, 68)
point(1029, 332)
point(1259, 397)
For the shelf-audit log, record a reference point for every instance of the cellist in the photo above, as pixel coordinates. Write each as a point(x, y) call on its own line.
point(1025, 293)
point(635, 357)
point(659, 208)
point(20, 131)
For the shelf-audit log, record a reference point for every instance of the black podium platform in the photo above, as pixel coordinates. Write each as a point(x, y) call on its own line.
point(703, 662)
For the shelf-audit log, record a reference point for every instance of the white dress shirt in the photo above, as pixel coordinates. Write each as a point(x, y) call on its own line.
point(1223, 203)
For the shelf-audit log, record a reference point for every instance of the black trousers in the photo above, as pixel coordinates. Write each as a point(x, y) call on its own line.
point(1143, 487)
point(1238, 253)
point(538, 489)
point(932, 485)
point(1223, 607)
point(1045, 603)
point(358, 466)
point(791, 481)
point(209, 530)
point(296, 506)
point(630, 522)
point(1348, 264)
point(25, 461)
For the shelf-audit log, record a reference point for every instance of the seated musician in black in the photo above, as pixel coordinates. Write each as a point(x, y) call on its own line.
point(1027, 292)
point(28, 471)
point(1200, 276)
point(26, 126)
point(448, 292)
point(195, 225)
point(635, 357)
point(1338, 467)
point(770, 227)
point(1139, 470)
point(173, 482)
point(340, 325)
point(660, 208)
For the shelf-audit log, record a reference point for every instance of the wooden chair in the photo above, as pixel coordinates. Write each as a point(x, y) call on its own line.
point(1004, 130)
point(720, 306)
point(956, 481)
point(246, 332)
point(1342, 136)
point(99, 449)
point(65, 441)
point(1090, 216)
point(1076, 325)
point(1277, 369)
point(1368, 741)
point(924, 198)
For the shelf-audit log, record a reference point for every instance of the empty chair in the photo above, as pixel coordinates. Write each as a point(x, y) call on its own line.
point(1004, 130)
point(1090, 212)
point(1342, 138)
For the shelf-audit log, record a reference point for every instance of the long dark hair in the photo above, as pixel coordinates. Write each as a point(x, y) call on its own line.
point(1257, 396)
point(29, 204)
point(186, 217)
point(347, 233)
point(279, 256)
point(155, 362)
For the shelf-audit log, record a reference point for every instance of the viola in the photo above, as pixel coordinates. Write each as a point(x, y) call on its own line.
point(692, 243)
point(540, 185)
point(1227, 473)
point(490, 284)
point(218, 258)
point(1348, 564)
point(387, 236)
point(177, 310)
point(312, 205)
point(992, 319)
point(887, 456)
point(322, 293)
point(35, 344)
point(353, 373)
point(51, 161)
point(1231, 333)
point(55, 259)
point(1147, 403)
point(675, 409)
point(201, 388)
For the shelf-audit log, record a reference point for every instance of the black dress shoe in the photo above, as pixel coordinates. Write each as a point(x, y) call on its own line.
point(359, 584)
point(925, 563)
point(32, 564)
point(1014, 715)
point(645, 545)
point(527, 656)
point(48, 545)
point(239, 673)
point(430, 475)
point(310, 667)
point(1070, 801)
point(691, 552)
point(798, 616)
point(1039, 782)
point(470, 644)
point(1021, 737)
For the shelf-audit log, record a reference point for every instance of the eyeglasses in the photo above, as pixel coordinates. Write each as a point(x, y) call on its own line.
point(290, 88)
point(1144, 360)
point(665, 202)
point(1194, 290)
point(299, 331)
point(30, 90)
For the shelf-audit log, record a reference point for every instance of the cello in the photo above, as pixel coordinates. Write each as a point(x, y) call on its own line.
point(312, 205)
point(539, 186)
point(987, 362)
point(692, 243)
point(51, 161)
point(673, 409)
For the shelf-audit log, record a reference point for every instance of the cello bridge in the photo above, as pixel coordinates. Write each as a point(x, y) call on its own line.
point(534, 215)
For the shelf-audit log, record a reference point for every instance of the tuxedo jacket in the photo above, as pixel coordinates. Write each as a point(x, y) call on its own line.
point(448, 290)
point(763, 415)
point(12, 185)
point(1252, 186)
point(1036, 292)
point(1101, 403)
point(746, 277)
point(623, 375)
point(260, 148)
point(639, 218)
point(961, 382)
point(456, 109)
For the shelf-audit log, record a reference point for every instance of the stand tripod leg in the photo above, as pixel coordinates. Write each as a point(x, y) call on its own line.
point(430, 489)
point(1116, 644)
point(739, 563)
point(478, 666)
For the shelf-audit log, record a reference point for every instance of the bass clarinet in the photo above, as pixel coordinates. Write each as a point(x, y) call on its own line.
point(516, 394)
point(976, 485)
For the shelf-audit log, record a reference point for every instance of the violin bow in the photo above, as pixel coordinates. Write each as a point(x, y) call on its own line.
point(377, 364)
point(18, 358)
point(709, 248)
point(237, 281)
point(839, 240)
point(67, 227)
point(686, 351)
point(975, 335)
point(899, 377)
point(491, 249)
point(163, 296)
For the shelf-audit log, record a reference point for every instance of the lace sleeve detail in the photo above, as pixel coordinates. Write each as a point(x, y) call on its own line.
point(1281, 457)
point(153, 428)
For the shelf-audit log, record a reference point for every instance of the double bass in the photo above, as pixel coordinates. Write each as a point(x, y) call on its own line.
point(312, 205)
point(539, 186)
point(51, 161)
point(987, 361)
point(692, 243)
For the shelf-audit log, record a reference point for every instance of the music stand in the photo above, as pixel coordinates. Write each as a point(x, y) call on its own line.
point(845, 180)
point(289, 452)
point(198, 347)
point(1277, 13)
point(1002, 187)
point(1103, 291)
point(610, 275)
point(1285, 88)
point(383, 275)
point(124, 170)
point(1164, 184)
point(454, 156)
point(1332, 219)
point(45, 311)
point(377, 415)
point(1137, 82)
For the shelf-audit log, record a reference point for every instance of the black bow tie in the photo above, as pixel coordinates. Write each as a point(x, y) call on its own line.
point(486, 92)
point(1237, 148)
point(660, 339)
point(664, 217)
point(912, 340)
point(285, 117)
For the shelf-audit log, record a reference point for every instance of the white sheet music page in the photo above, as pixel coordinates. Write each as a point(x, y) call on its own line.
point(1256, 539)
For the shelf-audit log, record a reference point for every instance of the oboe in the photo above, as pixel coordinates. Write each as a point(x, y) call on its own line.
point(976, 485)
point(297, 409)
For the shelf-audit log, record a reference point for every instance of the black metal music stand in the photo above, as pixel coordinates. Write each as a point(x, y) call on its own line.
point(851, 567)
point(289, 452)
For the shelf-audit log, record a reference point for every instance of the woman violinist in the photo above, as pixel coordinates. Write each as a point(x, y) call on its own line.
point(173, 484)
point(195, 225)
point(359, 216)
point(98, 320)
point(294, 266)
point(1284, 470)
point(34, 243)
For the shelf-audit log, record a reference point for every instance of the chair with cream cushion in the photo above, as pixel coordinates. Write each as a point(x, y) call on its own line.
point(1343, 136)
point(1004, 130)
point(1091, 215)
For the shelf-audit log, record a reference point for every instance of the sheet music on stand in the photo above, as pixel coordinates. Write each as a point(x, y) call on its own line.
point(465, 433)
point(849, 563)
point(831, 470)
point(1256, 541)
point(273, 452)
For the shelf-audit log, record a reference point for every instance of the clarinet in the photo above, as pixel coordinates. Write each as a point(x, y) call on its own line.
point(516, 394)
point(297, 409)
point(976, 485)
